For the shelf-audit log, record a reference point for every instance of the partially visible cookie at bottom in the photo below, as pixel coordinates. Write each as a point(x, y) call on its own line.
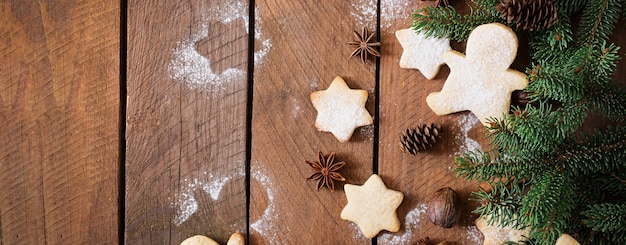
point(235, 239)
point(496, 234)
point(566, 239)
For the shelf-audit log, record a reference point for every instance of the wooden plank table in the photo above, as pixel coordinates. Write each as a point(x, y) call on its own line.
point(147, 122)
point(60, 117)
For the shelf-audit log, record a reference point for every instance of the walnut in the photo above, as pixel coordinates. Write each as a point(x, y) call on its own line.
point(443, 208)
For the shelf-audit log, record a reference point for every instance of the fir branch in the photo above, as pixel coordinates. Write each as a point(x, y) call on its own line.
point(604, 61)
point(547, 206)
point(447, 23)
point(536, 131)
point(598, 21)
point(541, 146)
point(502, 201)
point(568, 7)
point(613, 183)
point(607, 218)
point(598, 153)
point(609, 99)
point(557, 81)
point(488, 6)
point(491, 167)
point(548, 44)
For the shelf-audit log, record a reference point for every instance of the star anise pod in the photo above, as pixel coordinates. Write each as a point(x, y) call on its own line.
point(364, 44)
point(326, 171)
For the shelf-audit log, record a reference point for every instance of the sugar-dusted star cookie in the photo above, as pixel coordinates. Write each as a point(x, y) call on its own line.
point(372, 206)
point(421, 52)
point(481, 81)
point(496, 235)
point(235, 239)
point(340, 110)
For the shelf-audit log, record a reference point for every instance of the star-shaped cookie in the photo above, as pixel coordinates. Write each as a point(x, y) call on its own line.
point(481, 81)
point(496, 235)
point(340, 110)
point(372, 206)
point(421, 52)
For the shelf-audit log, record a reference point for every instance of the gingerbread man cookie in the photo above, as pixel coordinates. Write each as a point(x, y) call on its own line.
point(481, 81)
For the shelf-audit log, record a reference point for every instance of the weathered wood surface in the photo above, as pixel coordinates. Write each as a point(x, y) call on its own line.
point(59, 111)
point(188, 166)
point(186, 120)
point(403, 105)
point(307, 52)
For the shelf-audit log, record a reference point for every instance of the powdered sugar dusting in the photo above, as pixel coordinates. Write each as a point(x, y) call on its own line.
point(412, 220)
point(356, 231)
point(296, 109)
point(215, 187)
point(367, 132)
point(364, 12)
point(473, 234)
point(266, 224)
point(187, 204)
point(231, 11)
point(266, 44)
point(466, 122)
point(189, 66)
point(260, 54)
point(392, 10)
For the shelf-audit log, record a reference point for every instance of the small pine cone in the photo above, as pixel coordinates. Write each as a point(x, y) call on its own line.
point(532, 15)
point(418, 139)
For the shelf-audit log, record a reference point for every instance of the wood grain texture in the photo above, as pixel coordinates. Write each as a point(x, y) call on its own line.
point(59, 111)
point(187, 95)
point(403, 105)
point(307, 51)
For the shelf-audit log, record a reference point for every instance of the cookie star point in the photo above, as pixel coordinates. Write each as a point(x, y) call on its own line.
point(421, 52)
point(341, 110)
point(372, 206)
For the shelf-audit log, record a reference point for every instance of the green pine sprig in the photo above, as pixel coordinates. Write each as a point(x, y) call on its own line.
point(445, 22)
point(547, 170)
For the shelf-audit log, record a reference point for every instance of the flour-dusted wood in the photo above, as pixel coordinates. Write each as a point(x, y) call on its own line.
point(59, 117)
point(308, 50)
point(403, 105)
point(186, 120)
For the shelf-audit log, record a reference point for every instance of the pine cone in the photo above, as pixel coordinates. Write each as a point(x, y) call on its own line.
point(532, 15)
point(418, 139)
